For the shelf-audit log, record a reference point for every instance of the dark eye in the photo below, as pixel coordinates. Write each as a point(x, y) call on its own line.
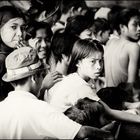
point(101, 61)
point(23, 28)
point(14, 27)
point(39, 40)
point(93, 61)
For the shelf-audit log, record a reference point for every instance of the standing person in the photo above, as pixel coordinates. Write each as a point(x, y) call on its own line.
point(23, 116)
point(122, 55)
point(11, 33)
point(69, 8)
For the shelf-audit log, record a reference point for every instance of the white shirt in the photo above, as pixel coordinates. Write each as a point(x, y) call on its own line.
point(23, 116)
point(66, 93)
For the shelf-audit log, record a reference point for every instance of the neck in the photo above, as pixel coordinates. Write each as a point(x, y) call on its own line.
point(83, 76)
point(61, 68)
point(23, 88)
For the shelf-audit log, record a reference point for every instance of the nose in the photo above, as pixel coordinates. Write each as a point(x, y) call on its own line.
point(43, 43)
point(138, 28)
point(19, 32)
point(98, 65)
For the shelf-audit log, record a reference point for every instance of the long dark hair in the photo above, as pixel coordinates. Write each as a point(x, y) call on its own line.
point(82, 49)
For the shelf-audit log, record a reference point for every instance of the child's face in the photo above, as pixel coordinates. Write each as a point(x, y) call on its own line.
point(12, 31)
point(91, 67)
point(132, 31)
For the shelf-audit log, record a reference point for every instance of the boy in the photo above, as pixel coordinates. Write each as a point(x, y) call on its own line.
point(122, 55)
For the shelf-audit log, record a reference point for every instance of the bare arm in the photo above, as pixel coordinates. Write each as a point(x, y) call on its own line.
point(120, 115)
point(133, 53)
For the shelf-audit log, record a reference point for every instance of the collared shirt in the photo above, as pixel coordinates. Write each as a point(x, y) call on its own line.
point(66, 93)
point(23, 116)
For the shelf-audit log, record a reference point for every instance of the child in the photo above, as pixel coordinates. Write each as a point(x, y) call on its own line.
point(59, 59)
point(86, 63)
point(122, 55)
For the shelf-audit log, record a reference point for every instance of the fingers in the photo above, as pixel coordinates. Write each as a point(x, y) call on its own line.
point(55, 75)
point(58, 80)
point(103, 134)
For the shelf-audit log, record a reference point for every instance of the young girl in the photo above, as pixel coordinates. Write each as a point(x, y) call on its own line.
point(86, 63)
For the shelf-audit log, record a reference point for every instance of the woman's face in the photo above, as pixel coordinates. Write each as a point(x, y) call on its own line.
point(12, 31)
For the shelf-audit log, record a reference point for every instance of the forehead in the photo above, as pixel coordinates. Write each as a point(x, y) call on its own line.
point(95, 55)
point(41, 32)
point(135, 19)
point(18, 21)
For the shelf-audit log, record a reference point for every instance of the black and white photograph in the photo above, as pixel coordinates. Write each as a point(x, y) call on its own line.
point(70, 69)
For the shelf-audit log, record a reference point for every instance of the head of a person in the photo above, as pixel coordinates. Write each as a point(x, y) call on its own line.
point(87, 112)
point(78, 25)
point(24, 70)
point(101, 30)
point(113, 18)
point(113, 97)
point(12, 26)
point(87, 59)
point(133, 91)
point(61, 46)
point(73, 7)
point(129, 23)
point(39, 36)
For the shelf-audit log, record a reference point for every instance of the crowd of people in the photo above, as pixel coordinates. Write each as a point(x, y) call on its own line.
point(70, 74)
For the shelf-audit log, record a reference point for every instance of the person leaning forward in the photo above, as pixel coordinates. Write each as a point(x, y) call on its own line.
point(23, 115)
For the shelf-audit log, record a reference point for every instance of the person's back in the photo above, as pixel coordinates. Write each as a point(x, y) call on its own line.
point(115, 68)
point(122, 55)
point(27, 119)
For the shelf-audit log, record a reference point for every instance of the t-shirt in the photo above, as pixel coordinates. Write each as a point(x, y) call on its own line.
point(23, 116)
point(66, 93)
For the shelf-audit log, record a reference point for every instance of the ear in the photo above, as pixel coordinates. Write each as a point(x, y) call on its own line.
point(79, 9)
point(65, 58)
point(71, 11)
point(78, 63)
point(34, 78)
point(122, 27)
point(100, 33)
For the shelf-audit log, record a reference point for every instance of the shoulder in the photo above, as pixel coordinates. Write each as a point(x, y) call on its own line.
point(132, 48)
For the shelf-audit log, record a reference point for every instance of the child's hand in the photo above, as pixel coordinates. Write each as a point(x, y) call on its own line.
point(51, 78)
